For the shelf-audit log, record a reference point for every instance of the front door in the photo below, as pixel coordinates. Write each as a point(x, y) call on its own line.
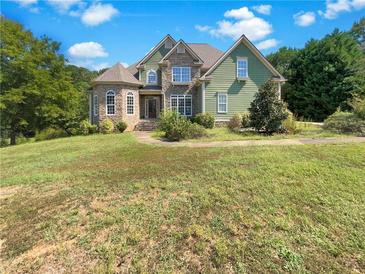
point(151, 108)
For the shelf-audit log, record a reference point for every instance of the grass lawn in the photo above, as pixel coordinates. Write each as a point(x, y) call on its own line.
point(305, 130)
point(106, 203)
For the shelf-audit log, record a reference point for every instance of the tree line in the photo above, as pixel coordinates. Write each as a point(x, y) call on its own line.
point(324, 75)
point(39, 89)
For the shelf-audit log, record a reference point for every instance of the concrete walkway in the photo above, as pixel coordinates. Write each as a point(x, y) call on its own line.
point(145, 138)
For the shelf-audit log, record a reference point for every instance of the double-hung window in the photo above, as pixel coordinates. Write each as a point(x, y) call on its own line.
point(222, 103)
point(96, 105)
point(181, 74)
point(181, 104)
point(110, 102)
point(242, 67)
point(130, 103)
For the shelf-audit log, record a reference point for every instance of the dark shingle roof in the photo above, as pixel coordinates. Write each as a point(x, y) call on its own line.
point(207, 53)
point(117, 73)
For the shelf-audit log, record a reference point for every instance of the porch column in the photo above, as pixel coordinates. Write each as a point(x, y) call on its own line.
point(90, 107)
point(279, 90)
point(203, 97)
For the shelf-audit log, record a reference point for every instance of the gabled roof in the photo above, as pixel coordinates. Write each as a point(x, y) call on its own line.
point(154, 49)
point(243, 39)
point(181, 42)
point(117, 74)
point(207, 53)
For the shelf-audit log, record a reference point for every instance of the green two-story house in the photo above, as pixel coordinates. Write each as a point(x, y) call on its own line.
point(189, 78)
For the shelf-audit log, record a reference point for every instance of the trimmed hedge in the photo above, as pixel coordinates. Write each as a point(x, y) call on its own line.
point(345, 122)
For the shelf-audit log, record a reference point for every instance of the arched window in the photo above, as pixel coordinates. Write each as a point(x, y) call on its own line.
point(151, 77)
point(130, 103)
point(110, 102)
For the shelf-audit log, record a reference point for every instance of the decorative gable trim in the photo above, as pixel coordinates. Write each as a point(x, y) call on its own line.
point(243, 39)
point(187, 48)
point(156, 48)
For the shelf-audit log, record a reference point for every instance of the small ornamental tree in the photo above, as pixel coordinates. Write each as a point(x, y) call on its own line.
point(267, 111)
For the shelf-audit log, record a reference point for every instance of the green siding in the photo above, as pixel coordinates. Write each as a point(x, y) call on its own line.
point(240, 93)
point(152, 63)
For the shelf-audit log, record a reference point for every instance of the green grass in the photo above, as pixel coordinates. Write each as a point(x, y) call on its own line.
point(304, 130)
point(106, 203)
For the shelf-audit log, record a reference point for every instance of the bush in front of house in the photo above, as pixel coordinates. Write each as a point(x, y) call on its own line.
point(205, 119)
point(245, 119)
point(235, 122)
point(267, 111)
point(86, 128)
point(345, 122)
point(177, 127)
point(50, 133)
point(358, 106)
point(121, 126)
point(290, 124)
point(106, 126)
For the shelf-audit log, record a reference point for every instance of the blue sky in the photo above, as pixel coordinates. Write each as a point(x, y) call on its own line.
point(97, 34)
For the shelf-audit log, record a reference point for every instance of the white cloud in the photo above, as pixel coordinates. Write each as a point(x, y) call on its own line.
point(358, 4)
point(202, 28)
point(25, 3)
point(246, 22)
point(98, 14)
point(124, 64)
point(304, 19)
point(334, 7)
point(87, 50)
point(63, 5)
point(242, 13)
point(263, 9)
point(266, 44)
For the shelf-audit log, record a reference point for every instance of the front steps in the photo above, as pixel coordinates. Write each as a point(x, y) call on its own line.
point(146, 125)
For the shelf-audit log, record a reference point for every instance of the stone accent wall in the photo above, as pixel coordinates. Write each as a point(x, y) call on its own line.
point(120, 104)
point(168, 88)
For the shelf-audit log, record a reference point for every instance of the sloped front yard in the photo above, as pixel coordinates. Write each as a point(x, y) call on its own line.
point(108, 203)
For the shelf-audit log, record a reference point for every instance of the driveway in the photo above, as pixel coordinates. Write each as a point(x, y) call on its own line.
point(145, 138)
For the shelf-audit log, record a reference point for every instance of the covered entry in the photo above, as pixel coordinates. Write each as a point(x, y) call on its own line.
point(151, 104)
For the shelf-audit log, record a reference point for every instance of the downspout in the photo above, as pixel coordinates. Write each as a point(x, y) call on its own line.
point(203, 97)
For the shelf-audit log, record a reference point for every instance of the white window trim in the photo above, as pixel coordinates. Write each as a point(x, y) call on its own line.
point(180, 82)
point(96, 106)
point(147, 78)
point(242, 59)
point(106, 103)
point(218, 103)
point(177, 103)
point(129, 94)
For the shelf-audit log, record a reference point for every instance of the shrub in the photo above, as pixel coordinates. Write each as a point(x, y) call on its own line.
point(121, 126)
point(50, 133)
point(245, 120)
point(106, 126)
point(267, 111)
point(235, 122)
point(196, 131)
point(93, 129)
point(290, 123)
point(177, 127)
point(345, 122)
point(358, 106)
point(84, 127)
point(205, 119)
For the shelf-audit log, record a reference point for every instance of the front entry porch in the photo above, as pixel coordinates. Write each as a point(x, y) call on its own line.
point(150, 106)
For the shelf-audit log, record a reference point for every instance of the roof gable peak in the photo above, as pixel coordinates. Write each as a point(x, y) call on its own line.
point(189, 49)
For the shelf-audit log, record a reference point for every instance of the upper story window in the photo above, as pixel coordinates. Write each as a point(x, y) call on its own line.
point(151, 77)
point(181, 74)
point(168, 44)
point(96, 105)
point(110, 102)
point(180, 49)
point(222, 103)
point(242, 67)
point(130, 103)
